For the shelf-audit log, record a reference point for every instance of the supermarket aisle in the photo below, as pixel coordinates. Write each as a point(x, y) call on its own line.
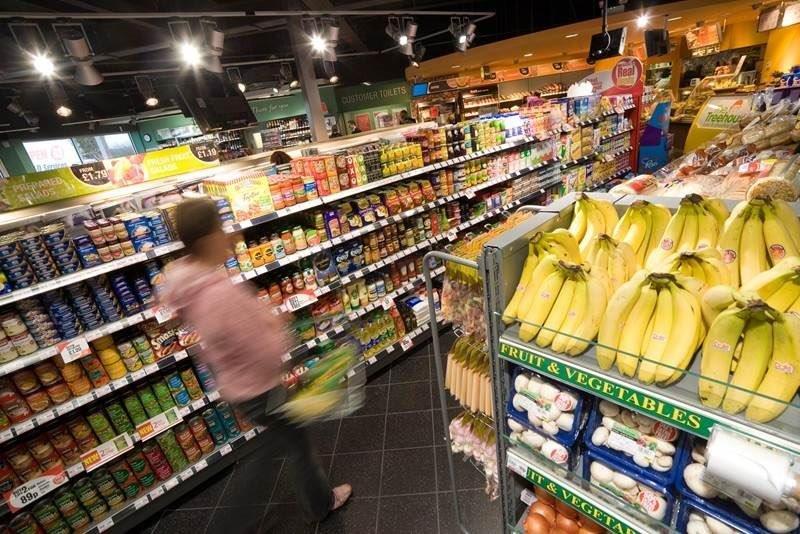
point(392, 451)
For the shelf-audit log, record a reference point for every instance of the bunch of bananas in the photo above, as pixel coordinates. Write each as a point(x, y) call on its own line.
point(652, 327)
point(616, 258)
point(779, 287)
point(567, 306)
point(695, 225)
point(641, 227)
point(591, 217)
point(751, 360)
point(758, 234)
point(704, 264)
point(560, 245)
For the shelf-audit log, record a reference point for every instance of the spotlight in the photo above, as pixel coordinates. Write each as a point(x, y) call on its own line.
point(14, 107)
point(642, 20)
point(286, 75)
point(402, 31)
point(44, 65)
point(418, 52)
point(242, 87)
point(77, 47)
point(213, 41)
point(463, 32)
point(146, 89)
point(190, 54)
point(403, 40)
point(324, 35)
point(275, 90)
point(413, 62)
point(330, 71)
point(294, 84)
point(57, 95)
point(64, 111)
point(318, 44)
point(334, 79)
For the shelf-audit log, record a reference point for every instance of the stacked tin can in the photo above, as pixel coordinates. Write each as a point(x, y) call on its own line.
point(84, 305)
point(37, 256)
point(70, 509)
point(172, 451)
point(39, 323)
point(125, 479)
point(90, 498)
point(60, 248)
point(49, 518)
point(110, 239)
point(124, 292)
point(17, 340)
point(63, 316)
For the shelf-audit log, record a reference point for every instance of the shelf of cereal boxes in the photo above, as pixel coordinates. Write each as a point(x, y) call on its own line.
point(159, 490)
point(91, 272)
point(386, 302)
point(79, 341)
point(450, 234)
point(569, 488)
point(466, 193)
point(115, 385)
point(336, 197)
point(103, 453)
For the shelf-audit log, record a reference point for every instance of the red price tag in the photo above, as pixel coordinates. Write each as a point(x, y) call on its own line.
point(73, 349)
point(31, 491)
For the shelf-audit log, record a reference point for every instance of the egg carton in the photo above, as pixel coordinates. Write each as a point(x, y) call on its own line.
point(652, 454)
point(549, 418)
point(628, 485)
point(703, 499)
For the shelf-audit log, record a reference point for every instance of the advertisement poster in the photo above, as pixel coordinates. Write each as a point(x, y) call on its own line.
point(363, 122)
point(618, 76)
point(717, 114)
point(58, 184)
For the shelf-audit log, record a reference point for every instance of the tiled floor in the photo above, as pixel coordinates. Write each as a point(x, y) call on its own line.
point(393, 453)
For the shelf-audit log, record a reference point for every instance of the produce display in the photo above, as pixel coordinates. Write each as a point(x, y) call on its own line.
point(467, 375)
point(637, 491)
point(474, 436)
point(548, 515)
point(547, 407)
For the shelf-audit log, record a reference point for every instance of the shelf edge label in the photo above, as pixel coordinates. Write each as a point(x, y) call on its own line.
point(600, 386)
point(31, 491)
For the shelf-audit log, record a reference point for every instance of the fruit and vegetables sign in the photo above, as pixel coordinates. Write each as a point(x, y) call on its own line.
point(58, 184)
point(658, 409)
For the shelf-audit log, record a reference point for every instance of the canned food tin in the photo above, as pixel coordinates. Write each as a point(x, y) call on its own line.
point(228, 420)
point(149, 401)
point(78, 519)
point(46, 512)
point(215, 427)
point(190, 382)
point(65, 501)
point(163, 394)
point(119, 418)
point(141, 469)
point(173, 451)
point(24, 523)
point(157, 460)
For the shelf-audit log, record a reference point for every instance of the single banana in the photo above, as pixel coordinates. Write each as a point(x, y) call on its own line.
point(770, 281)
point(718, 208)
point(510, 313)
point(715, 362)
point(591, 251)
point(782, 379)
point(595, 311)
point(752, 365)
point(577, 227)
point(789, 219)
point(609, 212)
point(602, 259)
point(655, 342)
point(715, 271)
point(619, 307)
point(637, 233)
point(787, 295)
point(735, 213)
point(660, 217)
point(546, 266)
point(753, 248)
point(779, 243)
point(716, 299)
point(669, 240)
point(630, 342)
point(730, 239)
point(685, 336)
point(622, 226)
point(561, 240)
point(618, 270)
point(708, 229)
point(557, 315)
point(543, 302)
point(576, 315)
point(691, 228)
point(643, 250)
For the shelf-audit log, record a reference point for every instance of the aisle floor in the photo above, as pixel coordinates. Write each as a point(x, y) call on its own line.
point(393, 453)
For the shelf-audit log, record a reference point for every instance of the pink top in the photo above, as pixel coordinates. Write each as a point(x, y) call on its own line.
point(243, 341)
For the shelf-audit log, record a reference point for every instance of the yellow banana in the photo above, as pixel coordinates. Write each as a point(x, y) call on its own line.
point(691, 228)
point(789, 219)
point(618, 270)
point(543, 302)
point(738, 211)
point(768, 282)
point(622, 226)
point(557, 315)
point(708, 229)
point(782, 379)
point(730, 239)
point(660, 217)
point(715, 362)
point(638, 231)
point(643, 250)
point(576, 315)
point(669, 240)
point(591, 251)
point(510, 313)
point(787, 295)
point(779, 243)
point(697, 269)
point(630, 342)
point(752, 365)
point(596, 294)
point(718, 208)
point(577, 227)
point(715, 272)
point(606, 207)
point(655, 341)
point(716, 299)
point(602, 258)
point(561, 243)
point(617, 311)
point(546, 266)
point(685, 336)
point(753, 248)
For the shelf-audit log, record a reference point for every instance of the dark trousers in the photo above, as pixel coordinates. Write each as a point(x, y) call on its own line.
point(307, 475)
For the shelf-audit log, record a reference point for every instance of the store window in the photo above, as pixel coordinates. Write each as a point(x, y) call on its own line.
point(57, 153)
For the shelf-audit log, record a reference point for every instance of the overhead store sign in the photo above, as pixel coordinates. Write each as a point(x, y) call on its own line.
point(618, 76)
point(719, 113)
point(357, 97)
point(58, 184)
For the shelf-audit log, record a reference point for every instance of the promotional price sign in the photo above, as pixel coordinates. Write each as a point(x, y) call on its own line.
point(105, 452)
point(158, 424)
point(32, 490)
point(300, 300)
point(74, 349)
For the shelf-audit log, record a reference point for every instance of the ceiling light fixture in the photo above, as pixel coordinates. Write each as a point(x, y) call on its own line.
point(190, 54)
point(64, 111)
point(463, 31)
point(43, 64)
point(213, 41)
point(323, 36)
point(184, 42)
point(673, 19)
point(77, 47)
point(58, 97)
point(413, 62)
point(286, 75)
point(418, 52)
point(529, 54)
point(403, 31)
point(318, 43)
point(334, 79)
point(366, 83)
point(330, 71)
point(642, 20)
point(145, 86)
point(570, 35)
point(294, 84)
point(235, 76)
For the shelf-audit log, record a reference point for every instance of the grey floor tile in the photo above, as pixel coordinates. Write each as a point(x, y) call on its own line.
point(286, 519)
point(236, 520)
point(467, 476)
point(411, 429)
point(375, 400)
point(410, 397)
point(284, 490)
point(251, 484)
point(411, 370)
point(206, 495)
point(323, 436)
point(357, 516)
point(148, 526)
point(439, 435)
point(478, 513)
point(361, 470)
point(451, 400)
point(408, 471)
point(359, 434)
point(412, 514)
point(184, 521)
point(380, 379)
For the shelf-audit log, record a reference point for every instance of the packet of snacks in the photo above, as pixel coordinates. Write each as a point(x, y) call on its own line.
point(187, 335)
point(163, 337)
